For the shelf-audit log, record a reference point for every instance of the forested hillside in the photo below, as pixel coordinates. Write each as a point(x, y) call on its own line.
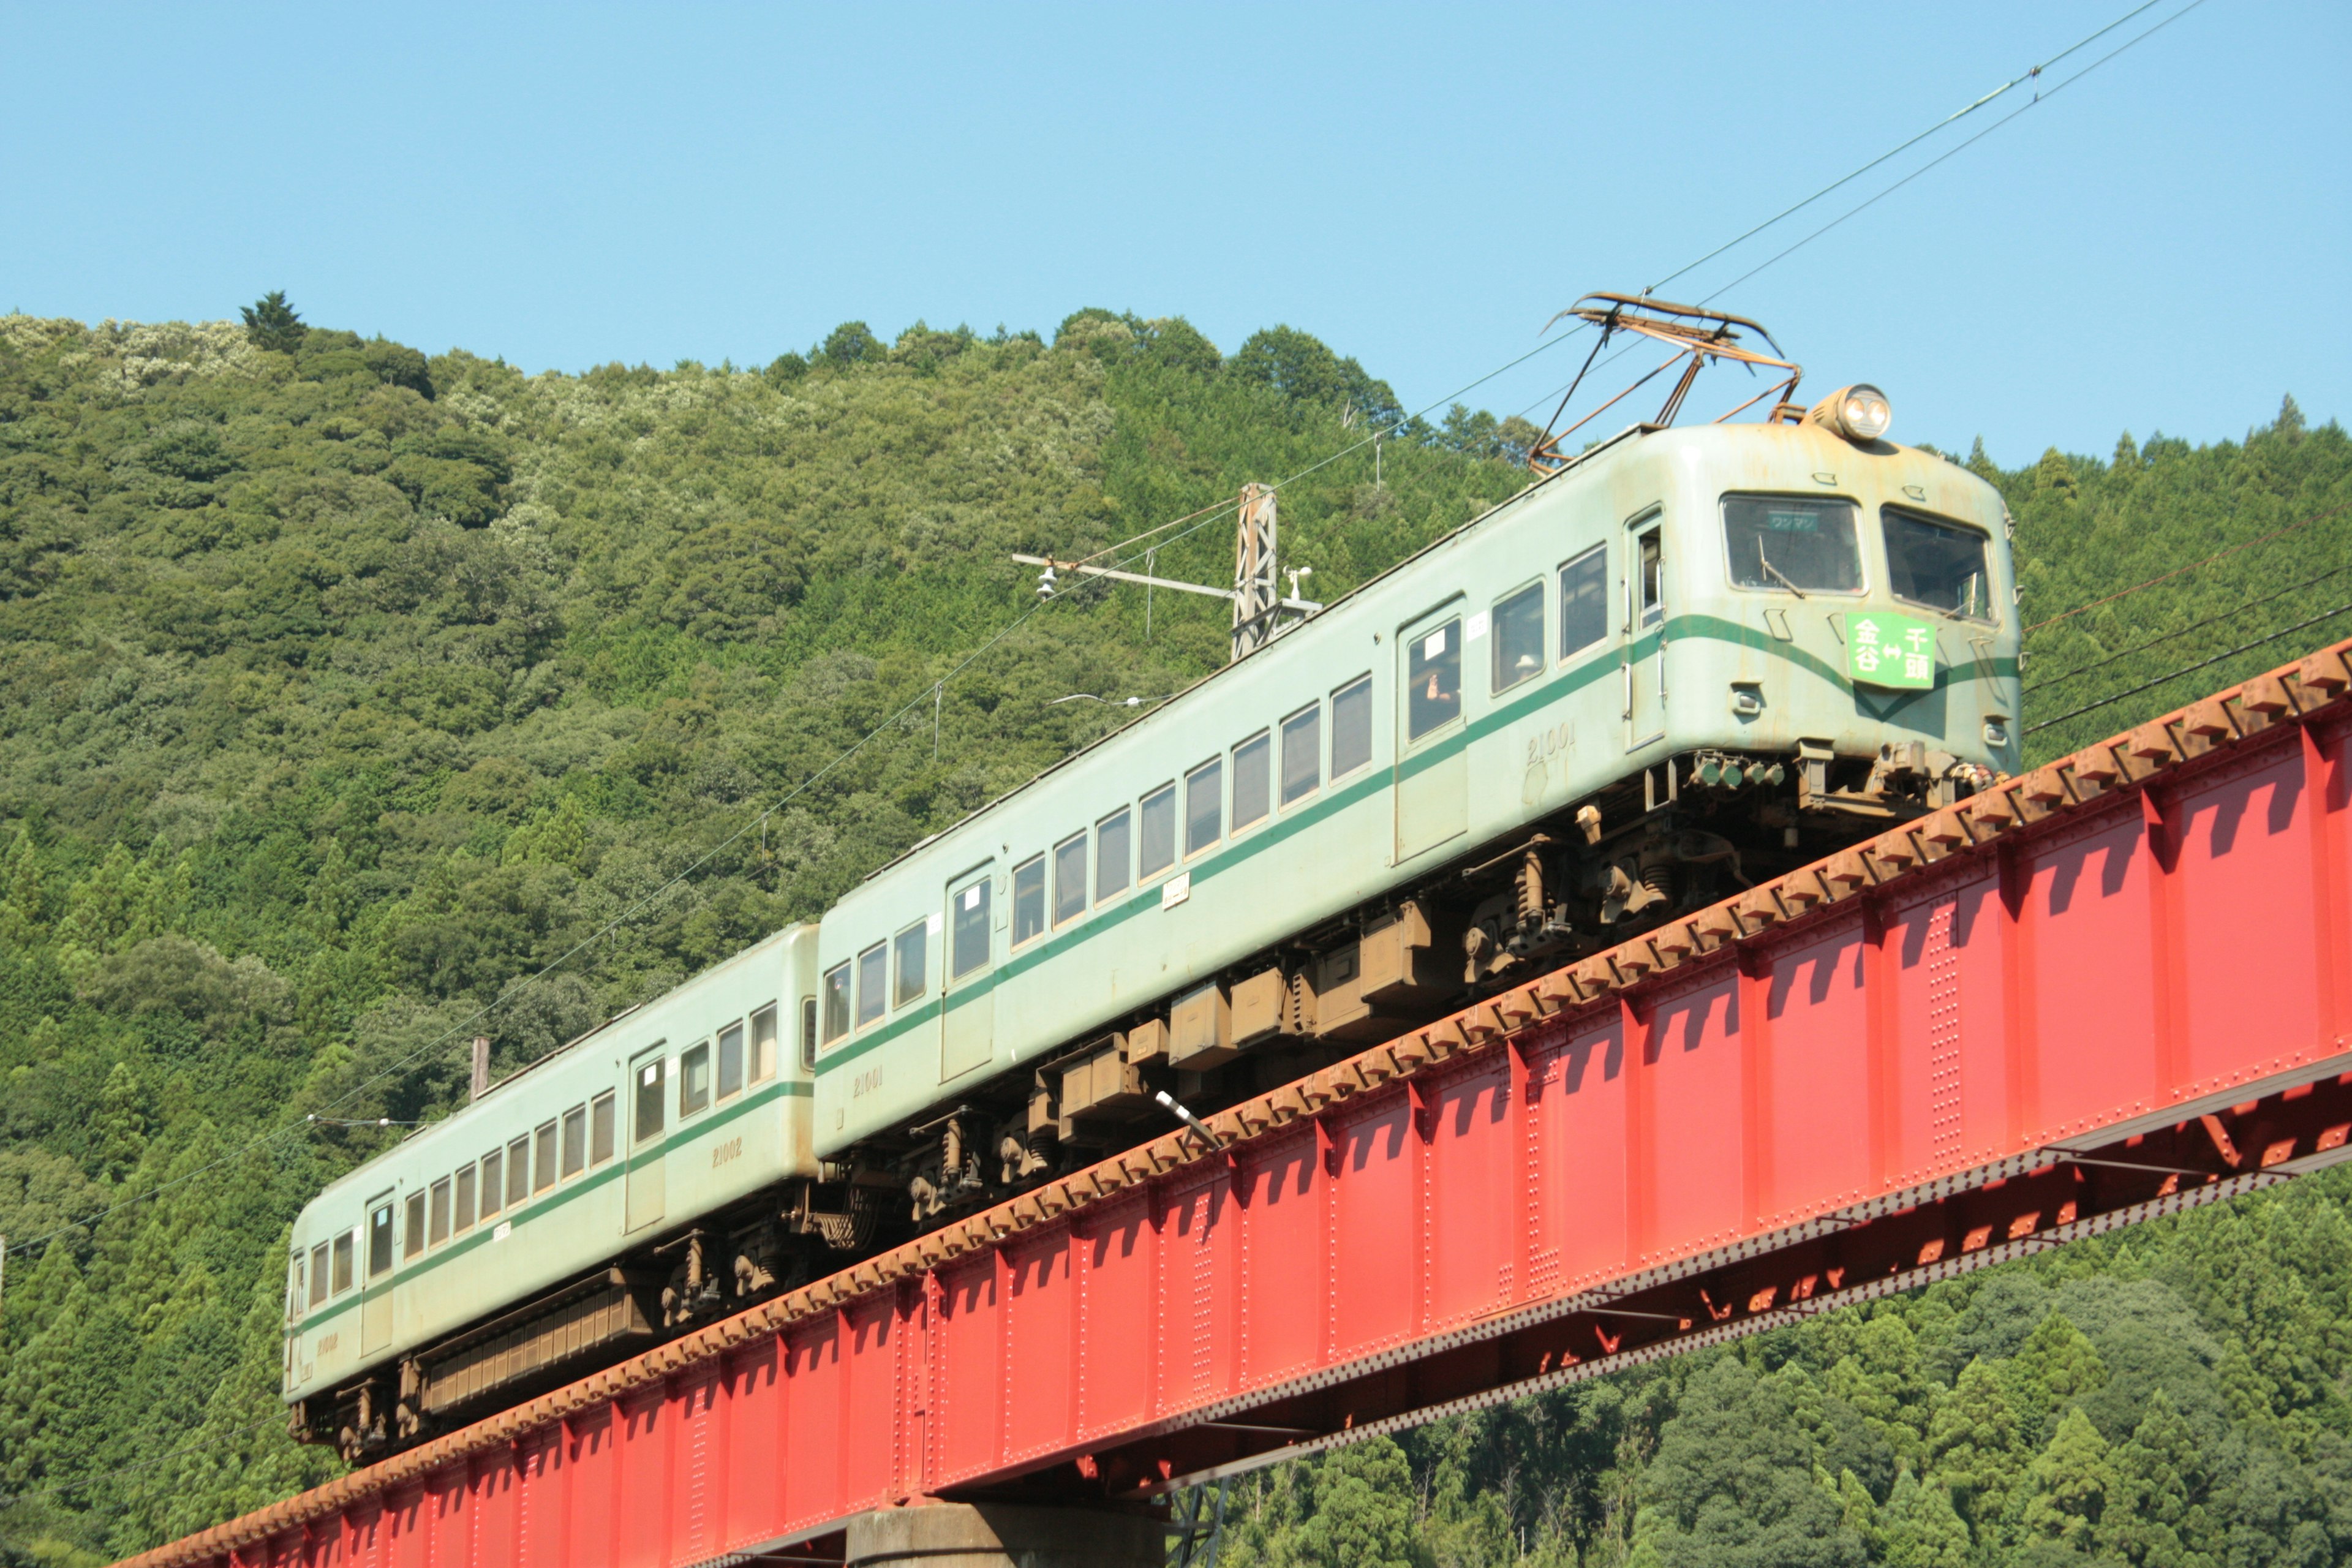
point(343, 688)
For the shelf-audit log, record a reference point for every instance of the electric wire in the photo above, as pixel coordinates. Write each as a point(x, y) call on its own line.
point(516, 987)
point(2193, 566)
point(2177, 632)
point(2189, 669)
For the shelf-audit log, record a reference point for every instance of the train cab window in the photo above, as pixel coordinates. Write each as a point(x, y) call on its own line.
point(517, 1171)
point(649, 1101)
point(910, 964)
point(1302, 753)
point(694, 1080)
point(319, 1269)
point(1936, 565)
point(1584, 601)
point(1253, 770)
point(835, 986)
point(1204, 805)
point(463, 1219)
point(494, 1181)
point(575, 1140)
point(542, 1154)
point(1156, 843)
point(1112, 854)
point(1070, 879)
point(413, 1241)
point(730, 1060)
point(1028, 899)
point(808, 1038)
point(968, 936)
point(1519, 638)
point(601, 1115)
point(1786, 544)
point(1433, 679)
point(440, 1212)
point(872, 983)
point(1351, 726)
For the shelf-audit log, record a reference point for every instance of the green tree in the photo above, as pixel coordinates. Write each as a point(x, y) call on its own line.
point(1919, 1528)
point(2068, 1484)
point(272, 323)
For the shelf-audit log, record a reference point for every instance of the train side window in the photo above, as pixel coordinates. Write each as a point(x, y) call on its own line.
point(413, 1242)
point(649, 1101)
point(1584, 601)
point(968, 938)
point(1519, 638)
point(872, 983)
point(575, 1140)
point(1070, 879)
point(319, 1269)
point(694, 1080)
point(1351, 726)
point(1302, 753)
point(1253, 768)
point(835, 986)
point(1028, 899)
point(543, 1156)
point(494, 1181)
point(1204, 805)
point(1157, 839)
point(463, 1219)
point(517, 1171)
point(1433, 680)
point(294, 1276)
point(440, 1211)
point(379, 1248)
point(763, 1039)
point(600, 1118)
point(910, 958)
point(730, 1060)
point(1111, 854)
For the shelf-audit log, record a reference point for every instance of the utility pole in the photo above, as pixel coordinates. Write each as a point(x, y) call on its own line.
point(481, 1085)
point(1255, 595)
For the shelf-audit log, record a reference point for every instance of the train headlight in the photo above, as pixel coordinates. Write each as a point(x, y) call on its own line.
point(1858, 413)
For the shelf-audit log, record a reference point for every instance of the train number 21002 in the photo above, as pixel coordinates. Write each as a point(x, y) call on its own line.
point(721, 1154)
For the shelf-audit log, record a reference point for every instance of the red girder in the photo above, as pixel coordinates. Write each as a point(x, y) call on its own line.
point(2118, 986)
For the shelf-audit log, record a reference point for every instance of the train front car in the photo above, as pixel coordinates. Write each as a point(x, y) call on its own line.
point(1817, 637)
point(651, 1175)
point(1683, 659)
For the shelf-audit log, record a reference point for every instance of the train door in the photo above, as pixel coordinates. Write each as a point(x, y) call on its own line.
point(968, 978)
point(648, 1091)
point(1643, 640)
point(1433, 765)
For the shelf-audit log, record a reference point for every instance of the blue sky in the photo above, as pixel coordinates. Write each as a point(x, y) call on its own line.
point(2158, 246)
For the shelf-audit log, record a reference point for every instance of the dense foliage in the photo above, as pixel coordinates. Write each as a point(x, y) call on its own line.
point(343, 689)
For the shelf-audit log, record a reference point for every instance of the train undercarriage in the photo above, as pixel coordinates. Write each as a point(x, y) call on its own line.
point(725, 1262)
point(1667, 841)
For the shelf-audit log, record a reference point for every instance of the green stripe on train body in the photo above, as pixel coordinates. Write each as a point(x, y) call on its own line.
point(1520, 755)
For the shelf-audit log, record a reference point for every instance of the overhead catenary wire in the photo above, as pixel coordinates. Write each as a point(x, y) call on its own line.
point(2232, 613)
point(2189, 670)
point(2180, 570)
point(929, 690)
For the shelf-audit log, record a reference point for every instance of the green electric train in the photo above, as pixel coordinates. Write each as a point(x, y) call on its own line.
point(1685, 658)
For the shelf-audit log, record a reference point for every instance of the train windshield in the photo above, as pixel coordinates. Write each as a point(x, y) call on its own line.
point(1799, 544)
point(1937, 565)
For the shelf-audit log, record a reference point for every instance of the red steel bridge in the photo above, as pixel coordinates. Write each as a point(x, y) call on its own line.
point(2115, 989)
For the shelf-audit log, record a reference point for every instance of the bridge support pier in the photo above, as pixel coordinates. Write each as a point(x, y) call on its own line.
point(1004, 1535)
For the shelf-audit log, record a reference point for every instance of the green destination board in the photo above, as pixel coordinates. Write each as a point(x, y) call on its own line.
point(1887, 649)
